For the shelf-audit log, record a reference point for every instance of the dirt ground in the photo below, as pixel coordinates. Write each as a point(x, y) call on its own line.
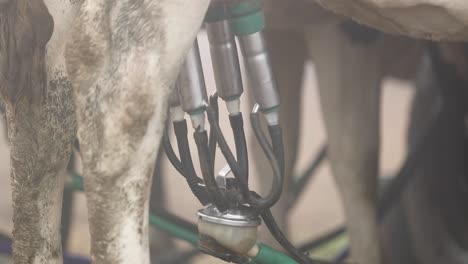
point(318, 210)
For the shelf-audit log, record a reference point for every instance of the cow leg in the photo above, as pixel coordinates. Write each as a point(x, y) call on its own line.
point(41, 125)
point(349, 77)
point(40, 148)
point(123, 58)
point(41, 140)
point(288, 54)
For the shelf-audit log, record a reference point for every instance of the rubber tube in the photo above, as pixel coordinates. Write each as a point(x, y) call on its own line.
point(277, 184)
point(237, 125)
point(212, 140)
point(276, 136)
point(171, 154)
point(271, 224)
point(217, 197)
point(268, 255)
point(180, 129)
point(227, 153)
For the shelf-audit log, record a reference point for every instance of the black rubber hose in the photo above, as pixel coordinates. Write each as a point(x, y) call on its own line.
point(180, 129)
point(237, 125)
point(284, 242)
point(276, 136)
point(212, 140)
point(277, 184)
point(227, 153)
point(323, 239)
point(217, 197)
point(193, 182)
point(171, 154)
point(281, 238)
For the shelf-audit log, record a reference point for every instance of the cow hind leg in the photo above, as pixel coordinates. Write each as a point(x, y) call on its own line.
point(40, 149)
point(122, 71)
point(41, 127)
point(349, 83)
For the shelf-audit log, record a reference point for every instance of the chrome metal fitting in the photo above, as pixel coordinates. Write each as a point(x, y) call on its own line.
point(191, 83)
point(259, 70)
point(225, 60)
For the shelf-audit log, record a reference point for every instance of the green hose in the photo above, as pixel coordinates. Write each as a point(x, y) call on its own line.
point(173, 229)
point(268, 255)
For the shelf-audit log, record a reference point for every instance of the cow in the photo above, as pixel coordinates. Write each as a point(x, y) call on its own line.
point(349, 90)
point(103, 70)
point(351, 62)
point(424, 19)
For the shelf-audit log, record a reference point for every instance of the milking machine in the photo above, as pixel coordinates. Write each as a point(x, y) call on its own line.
point(232, 212)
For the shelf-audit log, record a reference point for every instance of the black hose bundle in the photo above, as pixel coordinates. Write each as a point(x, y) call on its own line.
point(227, 153)
point(187, 170)
point(217, 197)
point(207, 149)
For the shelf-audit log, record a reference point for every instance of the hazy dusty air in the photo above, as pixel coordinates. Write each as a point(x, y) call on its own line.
point(104, 73)
point(429, 19)
point(318, 210)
